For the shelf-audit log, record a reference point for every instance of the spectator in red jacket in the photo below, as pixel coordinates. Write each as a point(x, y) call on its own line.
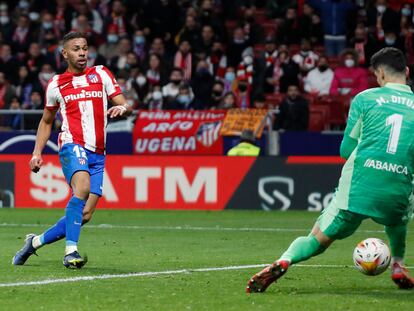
point(349, 79)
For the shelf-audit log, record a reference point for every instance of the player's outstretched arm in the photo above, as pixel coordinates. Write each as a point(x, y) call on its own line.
point(42, 136)
point(120, 107)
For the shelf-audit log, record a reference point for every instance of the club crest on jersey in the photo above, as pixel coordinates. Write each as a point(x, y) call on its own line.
point(82, 161)
point(93, 78)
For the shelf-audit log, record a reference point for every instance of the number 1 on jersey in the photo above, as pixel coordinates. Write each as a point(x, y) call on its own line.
point(395, 120)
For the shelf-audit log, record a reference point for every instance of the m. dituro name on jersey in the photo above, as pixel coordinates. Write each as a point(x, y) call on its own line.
point(83, 94)
point(386, 166)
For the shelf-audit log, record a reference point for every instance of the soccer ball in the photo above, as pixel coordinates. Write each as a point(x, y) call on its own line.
point(372, 256)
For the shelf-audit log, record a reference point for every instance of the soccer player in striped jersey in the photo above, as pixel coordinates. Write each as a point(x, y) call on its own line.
point(376, 180)
point(81, 94)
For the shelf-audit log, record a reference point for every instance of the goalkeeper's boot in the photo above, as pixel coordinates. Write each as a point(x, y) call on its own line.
point(401, 277)
point(260, 281)
point(74, 260)
point(27, 250)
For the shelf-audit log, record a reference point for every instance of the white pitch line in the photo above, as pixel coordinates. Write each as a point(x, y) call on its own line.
point(190, 228)
point(154, 273)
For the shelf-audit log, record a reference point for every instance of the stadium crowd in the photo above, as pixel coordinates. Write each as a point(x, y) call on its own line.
point(307, 58)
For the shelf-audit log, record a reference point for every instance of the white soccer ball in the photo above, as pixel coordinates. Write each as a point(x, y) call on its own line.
point(372, 256)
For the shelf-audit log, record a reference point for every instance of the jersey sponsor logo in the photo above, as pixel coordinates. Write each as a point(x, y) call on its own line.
point(93, 78)
point(84, 94)
point(386, 166)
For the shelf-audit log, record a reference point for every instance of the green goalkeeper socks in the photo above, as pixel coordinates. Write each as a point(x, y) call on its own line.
point(302, 249)
point(397, 236)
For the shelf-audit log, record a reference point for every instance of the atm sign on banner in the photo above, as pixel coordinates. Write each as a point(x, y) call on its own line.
point(179, 132)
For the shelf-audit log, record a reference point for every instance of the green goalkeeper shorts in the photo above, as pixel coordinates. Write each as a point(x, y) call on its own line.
point(338, 223)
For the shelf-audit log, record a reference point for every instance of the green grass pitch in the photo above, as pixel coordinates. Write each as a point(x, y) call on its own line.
point(122, 242)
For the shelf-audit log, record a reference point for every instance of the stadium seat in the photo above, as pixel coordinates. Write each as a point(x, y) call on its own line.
point(338, 109)
point(270, 29)
point(372, 80)
point(318, 118)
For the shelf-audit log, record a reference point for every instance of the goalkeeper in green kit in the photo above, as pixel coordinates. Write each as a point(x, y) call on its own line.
point(376, 180)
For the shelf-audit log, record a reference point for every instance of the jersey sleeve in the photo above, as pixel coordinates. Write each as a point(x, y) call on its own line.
point(111, 86)
point(353, 128)
point(51, 98)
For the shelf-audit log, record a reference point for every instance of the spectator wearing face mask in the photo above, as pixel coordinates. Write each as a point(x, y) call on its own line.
point(184, 99)
point(349, 79)
point(217, 60)
point(109, 48)
point(216, 95)
point(243, 99)
point(170, 91)
point(120, 60)
point(6, 25)
point(305, 58)
point(318, 81)
point(154, 99)
point(35, 58)
point(94, 58)
point(139, 45)
point(381, 19)
point(245, 68)
point(45, 74)
point(236, 47)
point(155, 73)
point(293, 112)
point(230, 81)
point(392, 40)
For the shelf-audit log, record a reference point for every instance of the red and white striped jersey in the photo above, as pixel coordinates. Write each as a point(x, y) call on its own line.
point(83, 99)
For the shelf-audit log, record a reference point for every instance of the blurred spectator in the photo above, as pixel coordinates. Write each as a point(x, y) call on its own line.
point(382, 19)
point(305, 58)
point(334, 15)
point(243, 99)
point(7, 92)
point(228, 101)
point(154, 100)
point(35, 58)
point(391, 39)
point(269, 55)
point(217, 60)
point(13, 121)
point(204, 45)
point(129, 92)
point(184, 98)
point(45, 74)
point(93, 17)
point(281, 74)
point(293, 112)
point(245, 68)
point(22, 36)
point(109, 48)
point(236, 47)
point(63, 16)
point(8, 63)
point(24, 85)
point(364, 44)
point(184, 59)
point(81, 24)
point(117, 20)
point(289, 32)
point(190, 32)
point(139, 45)
point(251, 28)
point(260, 102)
point(316, 30)
point(6, 25)
point(155, 73)
point(119, 61)
point(216, 95)
point(349, 79)
point(94, 58)
point(230, 81)
point(31, 121)
point(318, 81)
point(170, 91)
point(202, 84)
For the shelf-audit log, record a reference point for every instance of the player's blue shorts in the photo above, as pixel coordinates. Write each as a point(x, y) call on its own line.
point(74, 158)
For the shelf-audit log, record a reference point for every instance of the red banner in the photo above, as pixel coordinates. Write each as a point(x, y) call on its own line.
point(179, 132)
point(173, 182)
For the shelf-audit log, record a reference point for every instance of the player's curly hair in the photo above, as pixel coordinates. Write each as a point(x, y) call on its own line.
point(74, 35)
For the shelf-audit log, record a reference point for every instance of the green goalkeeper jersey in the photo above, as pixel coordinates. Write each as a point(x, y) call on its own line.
point(378, 144)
